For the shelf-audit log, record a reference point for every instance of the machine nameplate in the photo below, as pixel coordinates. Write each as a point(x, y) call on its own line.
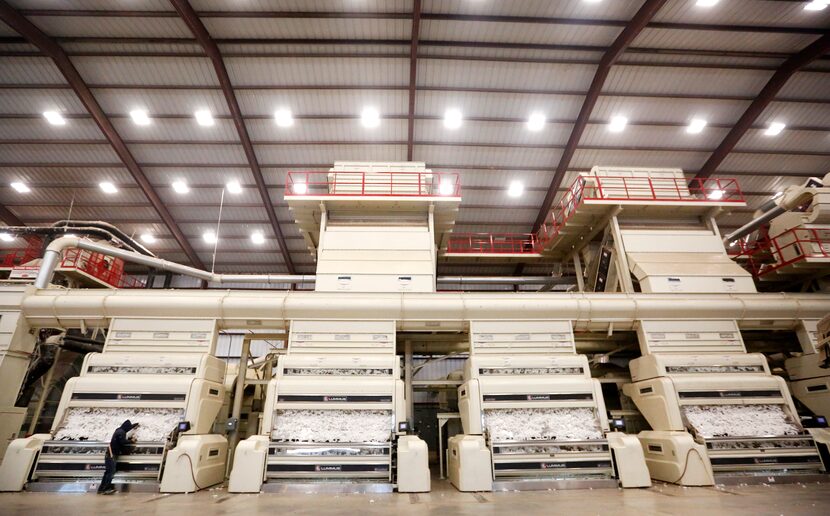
point(128, 396)
point(94, 466)
point(731, 394)
point(328, 468)
point(334, 399)
point(782, 459)
point(539, 397)
point(582, 464)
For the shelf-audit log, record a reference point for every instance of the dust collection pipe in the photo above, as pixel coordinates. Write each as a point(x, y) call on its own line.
point(51, 258)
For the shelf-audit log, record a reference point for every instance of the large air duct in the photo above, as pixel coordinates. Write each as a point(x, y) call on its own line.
point(51, 258)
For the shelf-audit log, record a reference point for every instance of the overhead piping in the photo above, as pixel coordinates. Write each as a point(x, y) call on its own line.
point(52, 255)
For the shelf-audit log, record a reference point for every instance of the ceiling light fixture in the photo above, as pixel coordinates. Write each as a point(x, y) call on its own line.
point(108, 187)
point(715, 195)
point(370, 118)
point(140, 117)
point(203, 117)
point(618, 124)
point(148, 238)
point(180, 187)
point(284, 118)
point(536, 122)
point(257, 237)
point(210, 237)
point(20, 187)
point(234, 187)
point(6, 237)
point(445, 188)
point(54, 118)
point(516, 189)
point(696, 126)
point(299, 188)
point(817, 5)
point(453, 119)
point(706, 3)
point(774, 129)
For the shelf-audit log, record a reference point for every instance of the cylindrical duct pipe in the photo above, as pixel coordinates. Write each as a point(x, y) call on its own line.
point(753, 224)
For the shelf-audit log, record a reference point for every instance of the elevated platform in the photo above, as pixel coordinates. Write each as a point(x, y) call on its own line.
point(592, 200)
point(373, 194)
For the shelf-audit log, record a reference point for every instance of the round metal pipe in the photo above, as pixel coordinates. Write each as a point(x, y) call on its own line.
point(753, 224)
point(239, 309)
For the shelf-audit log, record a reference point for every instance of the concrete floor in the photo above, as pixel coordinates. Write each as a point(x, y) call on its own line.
point(789, 499)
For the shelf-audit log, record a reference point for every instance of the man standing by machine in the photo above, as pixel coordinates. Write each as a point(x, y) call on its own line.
point(117, 444)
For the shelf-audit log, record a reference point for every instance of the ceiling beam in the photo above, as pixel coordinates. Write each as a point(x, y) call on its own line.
point(9, 218)
point(547, 20)
point(201, 34)
point(413, 72)
point(767, 95)
point(52, 50)
point(624, 39)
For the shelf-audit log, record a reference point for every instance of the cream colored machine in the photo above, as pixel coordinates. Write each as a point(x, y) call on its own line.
point(16, 346)
point(335, 411)
point(533, 417)
point(810, 372)
point(155, 372)
point(716, 412)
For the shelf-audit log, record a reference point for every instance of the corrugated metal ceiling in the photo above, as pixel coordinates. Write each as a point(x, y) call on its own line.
point(327, 68)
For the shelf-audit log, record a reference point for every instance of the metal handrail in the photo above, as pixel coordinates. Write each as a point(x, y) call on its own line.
point(372, 184)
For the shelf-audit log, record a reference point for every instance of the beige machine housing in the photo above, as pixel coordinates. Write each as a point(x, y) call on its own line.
point(16, 346)
point(524, 369)
point(337, 374)
point(809, 372)
point(702, 365)
point(149, 369)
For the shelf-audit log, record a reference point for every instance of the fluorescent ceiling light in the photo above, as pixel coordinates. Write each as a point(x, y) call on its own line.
point(706, 3)
point(54, 118)
point(715, 195)
point(203, 117)
point(6, 237)
point(284, 118)
point(299, 188)
point(592, 1)
point(20, 187)
point(445, 188)
point(147, 238)
point(257, 237)
point(618, 124)
point(234, 187)
point(180, 187)
point(70, 235)
point(817, 5)
point(370, 117)
point(210, 237)
point(140, 117)
point(777, 195)
point(108, 187)
point(453, 119)
point(774, 129)
point(696, 126)
point(516, 189)
point(536, 122)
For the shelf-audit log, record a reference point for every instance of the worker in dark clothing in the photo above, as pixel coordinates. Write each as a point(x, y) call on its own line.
point(116, 447)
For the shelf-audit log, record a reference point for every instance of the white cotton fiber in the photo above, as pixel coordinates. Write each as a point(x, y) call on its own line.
point(98, 424)
point(567, 424)
point(739, 420)
point(332, 426)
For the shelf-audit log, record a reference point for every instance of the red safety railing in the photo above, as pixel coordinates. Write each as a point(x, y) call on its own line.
point(373, 184)
point(766, 255)
point(493, 243)
point(14, 257)
point(608, 188)
point(105, 268)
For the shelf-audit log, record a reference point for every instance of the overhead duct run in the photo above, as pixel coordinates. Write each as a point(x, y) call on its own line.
point(51, 258)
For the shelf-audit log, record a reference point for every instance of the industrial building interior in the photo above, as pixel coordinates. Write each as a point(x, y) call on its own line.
point(415, 256)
